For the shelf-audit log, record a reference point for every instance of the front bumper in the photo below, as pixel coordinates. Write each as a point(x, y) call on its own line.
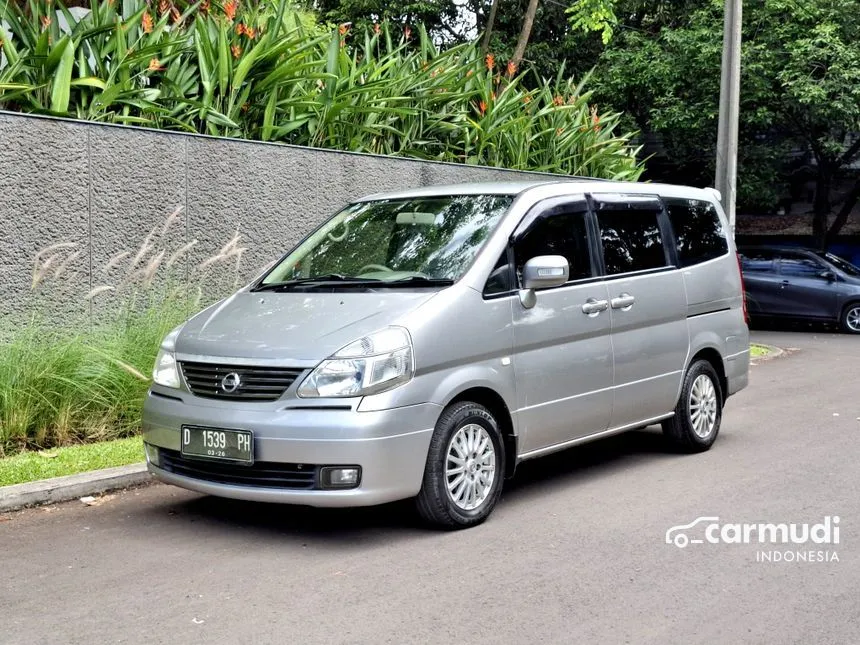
point(390, 446)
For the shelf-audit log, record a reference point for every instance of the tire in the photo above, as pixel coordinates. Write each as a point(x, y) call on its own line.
point(850, 319)
point(460, 426)
point(685, 434)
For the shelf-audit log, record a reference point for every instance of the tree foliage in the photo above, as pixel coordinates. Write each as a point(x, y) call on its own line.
point(800, 92)
point(264, 74)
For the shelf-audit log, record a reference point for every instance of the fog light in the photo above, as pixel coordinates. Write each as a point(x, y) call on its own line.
point(340, 477)
point(152, 455)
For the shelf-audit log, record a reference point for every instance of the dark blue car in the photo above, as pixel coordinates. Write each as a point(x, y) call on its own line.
point(796, 283)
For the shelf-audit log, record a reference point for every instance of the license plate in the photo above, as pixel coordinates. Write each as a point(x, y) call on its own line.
point(216, 443)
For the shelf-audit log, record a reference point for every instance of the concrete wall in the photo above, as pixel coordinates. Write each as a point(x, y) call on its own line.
point(109, 189)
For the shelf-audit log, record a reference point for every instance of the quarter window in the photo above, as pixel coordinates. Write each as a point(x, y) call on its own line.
point(699, 234)
point(630, 233)
point(500, 278)
point(561, 230)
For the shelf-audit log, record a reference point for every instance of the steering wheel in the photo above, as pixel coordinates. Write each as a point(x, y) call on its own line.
point(375, 267)
point(342, 236)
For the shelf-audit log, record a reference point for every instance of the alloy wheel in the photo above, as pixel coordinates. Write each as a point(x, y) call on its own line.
point(703, 406)
point(470, 466)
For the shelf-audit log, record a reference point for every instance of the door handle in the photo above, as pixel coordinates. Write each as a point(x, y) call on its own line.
point(593, 307)
point(624, 301)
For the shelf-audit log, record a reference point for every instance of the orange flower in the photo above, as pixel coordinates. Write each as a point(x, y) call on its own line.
point(343, 29)
point(512, 68)
point(250, 32)
point(407, 32)
point(527, 99)
point(482, 107)
point(146, 23)
point(163, 7)
point(376, 28)
point(558, 100)
point(559, 132)
point(240, 28)
point(469, 73)
point(230, 8)
point(155, 65)
point(174, 12)
point(491, 61)
point(236, 51)
point(46, 22)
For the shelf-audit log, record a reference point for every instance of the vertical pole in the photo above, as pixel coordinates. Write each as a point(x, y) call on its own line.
point(730, 85)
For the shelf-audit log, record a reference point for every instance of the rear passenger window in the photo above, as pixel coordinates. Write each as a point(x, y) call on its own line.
point(800, 266)
point(757, 261)
point(630, 233)
point(560, 230)
point(699, 234)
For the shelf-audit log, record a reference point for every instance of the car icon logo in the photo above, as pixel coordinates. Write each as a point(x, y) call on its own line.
point(677, 535)
point(231, 382)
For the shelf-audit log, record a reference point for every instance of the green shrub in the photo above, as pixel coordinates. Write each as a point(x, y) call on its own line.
point(82, 379)
point(267, 73)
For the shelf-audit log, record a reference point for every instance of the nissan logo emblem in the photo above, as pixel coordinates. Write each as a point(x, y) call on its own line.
point(231, 382)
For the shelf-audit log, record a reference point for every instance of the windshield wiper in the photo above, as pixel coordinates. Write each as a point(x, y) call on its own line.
point(318, 280)
point(416, 280)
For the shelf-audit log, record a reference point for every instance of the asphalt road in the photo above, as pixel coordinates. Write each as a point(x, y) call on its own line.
point(575, 552)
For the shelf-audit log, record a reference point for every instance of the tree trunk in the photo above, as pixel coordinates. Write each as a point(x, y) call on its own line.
point(526, 33)
point(488, 30)
point(842, 216)
point(821, 208)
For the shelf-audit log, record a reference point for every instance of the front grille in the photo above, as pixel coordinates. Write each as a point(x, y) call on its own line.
point(265, 474)
point(254, 383)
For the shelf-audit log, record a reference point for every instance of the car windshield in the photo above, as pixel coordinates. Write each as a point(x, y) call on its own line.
point(842, 265)
point(394, 242)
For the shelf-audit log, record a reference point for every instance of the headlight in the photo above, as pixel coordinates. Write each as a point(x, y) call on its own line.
point(376, 363)
point(166, 372)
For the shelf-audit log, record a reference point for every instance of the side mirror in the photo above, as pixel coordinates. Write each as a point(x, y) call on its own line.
point(545, 271)
point(827, 275)
point(542, 272)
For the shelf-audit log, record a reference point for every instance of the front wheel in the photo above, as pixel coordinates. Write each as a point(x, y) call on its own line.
point(465, 468)
point(699, 411)
point(851, 318)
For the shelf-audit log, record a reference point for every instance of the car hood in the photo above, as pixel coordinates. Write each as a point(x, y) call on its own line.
point(292, 326)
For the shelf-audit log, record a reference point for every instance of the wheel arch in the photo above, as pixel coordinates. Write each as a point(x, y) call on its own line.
point(496, 404)
point(713, 356)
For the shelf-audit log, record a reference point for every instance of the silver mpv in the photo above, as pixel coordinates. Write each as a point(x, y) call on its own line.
point(421, 344)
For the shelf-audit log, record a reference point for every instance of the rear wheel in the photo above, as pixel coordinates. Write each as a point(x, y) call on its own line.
point(465, 468)
point(851, 318)
point(699, 411)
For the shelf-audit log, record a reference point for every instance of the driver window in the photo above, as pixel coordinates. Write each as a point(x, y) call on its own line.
point(561, 231)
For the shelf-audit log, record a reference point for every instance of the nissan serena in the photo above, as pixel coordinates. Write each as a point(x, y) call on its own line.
point(420, 344)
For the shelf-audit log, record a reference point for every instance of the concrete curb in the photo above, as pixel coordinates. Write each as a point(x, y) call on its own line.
point(773, 352)
point(61, 489)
